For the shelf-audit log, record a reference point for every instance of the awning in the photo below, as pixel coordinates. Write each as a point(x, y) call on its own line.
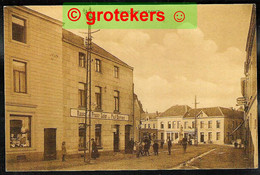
point(239, 126)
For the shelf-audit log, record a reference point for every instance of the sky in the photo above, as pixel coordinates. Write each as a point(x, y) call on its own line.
point(171, 66)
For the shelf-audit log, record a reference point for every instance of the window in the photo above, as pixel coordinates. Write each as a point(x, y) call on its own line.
point(98, 97)
point(193, 124)
point(81, 136)
point(169, 125)
point(98, 65)
point(18, 29)
point(202, 124)
point(116, 97)
point(116, 71)
point(185, 125)
point(144, 125)
point(162, 135)
point(210, 136)
point(168, 135)
point(178, 124)
point(19, 73)
point(217, 124)
point(153, 126)
point(20, 131)
point(82, 99)
point(173, 124)
point(82, 58)
point(209, 124)
point(176, 136)
point(98, 134)
point(149, 126)
point(162, 125)
point(218, 136)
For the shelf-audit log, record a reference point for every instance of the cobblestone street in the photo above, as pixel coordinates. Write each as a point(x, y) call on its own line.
point(119, 161)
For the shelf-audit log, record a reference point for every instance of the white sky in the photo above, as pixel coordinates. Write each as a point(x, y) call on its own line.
point(172, 66)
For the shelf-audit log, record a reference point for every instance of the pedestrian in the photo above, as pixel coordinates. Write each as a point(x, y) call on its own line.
point(139, 149)
point(63, 151)
point(184, 144)
point(169, 146)
point(94, 153)
point(155, 148)
point(162, 142)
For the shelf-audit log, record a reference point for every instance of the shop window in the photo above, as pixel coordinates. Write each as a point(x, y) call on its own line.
point(82, 59)
point(18, 29)
point(98, 97)
point(20, 131)
point(116, 98)
point(116, 71)
point(19, 74)
point(98, 134)
point(81, 94)
point(98, 65)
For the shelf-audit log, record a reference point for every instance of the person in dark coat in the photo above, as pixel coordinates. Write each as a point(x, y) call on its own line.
point(169, 146)
point(63, 151)
point(155, 148)
point(94, 153)
point(184, 144)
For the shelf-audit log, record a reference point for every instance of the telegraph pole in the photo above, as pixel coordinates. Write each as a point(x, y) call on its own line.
point(196, 129)
point(88, 42)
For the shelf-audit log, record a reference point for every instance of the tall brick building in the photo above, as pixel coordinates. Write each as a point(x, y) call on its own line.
point(45, 75)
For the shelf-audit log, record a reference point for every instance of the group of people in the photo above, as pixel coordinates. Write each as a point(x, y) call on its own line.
point(94, 151)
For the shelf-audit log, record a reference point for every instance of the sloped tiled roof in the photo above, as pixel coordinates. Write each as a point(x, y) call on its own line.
point(150, 115)
point(214, 111)
point(79, 41)
point(177, 110)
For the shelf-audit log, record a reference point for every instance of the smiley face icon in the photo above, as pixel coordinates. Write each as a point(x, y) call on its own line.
point(179, 16)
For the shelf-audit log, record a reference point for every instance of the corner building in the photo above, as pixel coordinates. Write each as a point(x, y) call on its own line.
point(45, 74)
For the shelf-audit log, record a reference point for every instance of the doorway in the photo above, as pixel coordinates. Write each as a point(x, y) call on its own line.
point(127, 137)
point(50, 143)
point(116, 138)
point(202, 137)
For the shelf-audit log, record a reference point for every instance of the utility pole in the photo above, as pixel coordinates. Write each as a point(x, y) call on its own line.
point(196, 128)
point(88, 42)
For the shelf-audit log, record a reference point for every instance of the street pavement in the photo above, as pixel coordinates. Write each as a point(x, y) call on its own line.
point(196, 157)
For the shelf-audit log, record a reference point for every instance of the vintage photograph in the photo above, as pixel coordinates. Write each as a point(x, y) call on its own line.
point(130, 99)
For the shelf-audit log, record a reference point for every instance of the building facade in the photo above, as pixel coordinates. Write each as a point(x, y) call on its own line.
point(249, 92)
point(45, 77)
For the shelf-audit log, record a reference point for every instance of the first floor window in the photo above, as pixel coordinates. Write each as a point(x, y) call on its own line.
point(153, 126)
point(98, 65)
point(162, 136)
point(19, 74)
point(116, 71)
point(162, 125)
point(81, 93)
point(82, 58)
point(168, 135)
point(201, 124)
point(218, 136)
point(98, 97)
point(169, 125)
point(173, 124)
point(149, 126)
point(178, 124)
point(185, 125)
point(98, 134)
point(210, 124)
point(20, 131)
point(218, 124)
point(116, 98)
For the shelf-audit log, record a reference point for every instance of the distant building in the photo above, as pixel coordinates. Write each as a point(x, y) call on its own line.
point(138, 113)
point(215, 124)
point(249, 92)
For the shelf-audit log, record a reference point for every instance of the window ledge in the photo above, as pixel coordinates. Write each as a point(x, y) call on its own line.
point(117, 112)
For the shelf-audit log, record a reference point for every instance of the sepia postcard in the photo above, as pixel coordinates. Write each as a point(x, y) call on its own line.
point(156, 87)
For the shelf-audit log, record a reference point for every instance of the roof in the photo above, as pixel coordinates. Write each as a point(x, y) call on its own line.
point(177, 110)
point(214, 111)
point(79, 41)
point(150, 115)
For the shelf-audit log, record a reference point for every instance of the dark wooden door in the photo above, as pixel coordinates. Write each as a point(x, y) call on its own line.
point(116, 139)
point(50, 144)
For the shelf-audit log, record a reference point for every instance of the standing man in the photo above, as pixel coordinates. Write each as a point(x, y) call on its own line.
point(63, 151)
point(169, 146)
point(155, 148)
point(184, 144)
